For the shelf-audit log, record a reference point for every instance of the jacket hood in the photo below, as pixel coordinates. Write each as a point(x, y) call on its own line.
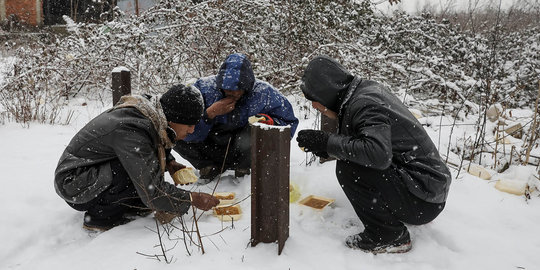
point(235, 74)
point(325, 81)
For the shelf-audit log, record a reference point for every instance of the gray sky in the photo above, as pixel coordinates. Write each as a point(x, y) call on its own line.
point(412, 6)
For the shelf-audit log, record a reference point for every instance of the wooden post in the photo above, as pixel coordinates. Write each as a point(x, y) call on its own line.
point(329, 125)
point(270, 155)
point(137, 7)
point(121, 83)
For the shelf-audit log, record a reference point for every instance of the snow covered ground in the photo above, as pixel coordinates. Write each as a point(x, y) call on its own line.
point(481, 227)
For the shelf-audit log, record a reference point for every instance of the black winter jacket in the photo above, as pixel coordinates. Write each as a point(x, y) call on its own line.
point(126, 134)
point(377, 131)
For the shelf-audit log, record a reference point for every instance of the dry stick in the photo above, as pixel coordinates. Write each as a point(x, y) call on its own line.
point(496, 145)
point(197, 227)
point(222, 165)
point(221, 172)
point(454, 124)
point(462, 157)
point(511, 154)
point(533, 128)
point(195, 219)
point(185, 235)
point(161, 242)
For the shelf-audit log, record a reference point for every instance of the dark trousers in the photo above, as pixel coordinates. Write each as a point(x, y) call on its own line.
point(211, 151)
point(113, 202)
point(382, 201)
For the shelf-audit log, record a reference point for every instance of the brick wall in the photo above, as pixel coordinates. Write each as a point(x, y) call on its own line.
point(28, 11)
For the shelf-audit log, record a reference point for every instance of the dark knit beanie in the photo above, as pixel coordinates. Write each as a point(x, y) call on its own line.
point(183, 104)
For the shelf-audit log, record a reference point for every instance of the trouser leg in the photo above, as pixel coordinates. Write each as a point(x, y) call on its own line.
point(210, 152)
point(241, 149)
point(116, 199)
point(199, 154)
point(382, 201)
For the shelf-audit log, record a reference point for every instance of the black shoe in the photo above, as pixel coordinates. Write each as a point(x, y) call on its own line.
point(96, 224)
point(241, 172)
point(363, 242)
point(134, 212)
point(209, 173)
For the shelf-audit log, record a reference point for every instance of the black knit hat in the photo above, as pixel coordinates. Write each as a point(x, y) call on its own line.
point(183, 104)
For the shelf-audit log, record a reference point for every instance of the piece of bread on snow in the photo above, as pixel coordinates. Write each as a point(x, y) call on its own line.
point(228, 212)
point(479, 171)
point(515, 187)
point(225, 197)
point(316, 202)
point(184, 176)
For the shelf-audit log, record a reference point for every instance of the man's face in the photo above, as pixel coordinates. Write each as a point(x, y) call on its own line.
point(234, 94)
point(181, 130)
point(321, 108)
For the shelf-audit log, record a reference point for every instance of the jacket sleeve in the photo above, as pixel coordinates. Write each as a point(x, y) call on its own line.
point(201, 129)
point(370, 145)
point(210, 96)
point(279, 108)
point(138, 155)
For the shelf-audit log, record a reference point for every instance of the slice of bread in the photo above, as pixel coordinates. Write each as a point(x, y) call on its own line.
point(184, 176)
point(228, 212)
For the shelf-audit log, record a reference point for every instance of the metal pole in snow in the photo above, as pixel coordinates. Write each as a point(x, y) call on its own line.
point(270, 155)
point(121, 83)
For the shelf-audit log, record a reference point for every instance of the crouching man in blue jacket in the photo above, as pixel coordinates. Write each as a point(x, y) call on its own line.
point(230, 98)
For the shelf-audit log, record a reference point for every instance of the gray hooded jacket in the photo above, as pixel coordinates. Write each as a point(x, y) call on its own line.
point(376, 130)
point(131, 136)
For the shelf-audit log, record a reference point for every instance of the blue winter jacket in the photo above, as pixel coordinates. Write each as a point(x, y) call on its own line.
point(259, 97)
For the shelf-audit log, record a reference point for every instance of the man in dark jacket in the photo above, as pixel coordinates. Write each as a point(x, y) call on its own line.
point(387, 165)
point(230, 98)
point(114, 166)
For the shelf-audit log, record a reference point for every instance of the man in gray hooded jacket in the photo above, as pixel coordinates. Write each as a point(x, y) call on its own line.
point(114, 166)
point(387, 165)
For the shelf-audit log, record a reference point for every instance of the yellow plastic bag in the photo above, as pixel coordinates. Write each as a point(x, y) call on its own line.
point(294, 192)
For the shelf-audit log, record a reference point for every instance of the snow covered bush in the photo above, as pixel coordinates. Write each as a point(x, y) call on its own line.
point(176, 41)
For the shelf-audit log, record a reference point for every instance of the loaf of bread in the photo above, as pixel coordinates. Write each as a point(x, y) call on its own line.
point(184, 176)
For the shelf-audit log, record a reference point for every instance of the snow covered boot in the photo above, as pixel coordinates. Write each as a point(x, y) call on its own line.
point(96, 224)
point(363, 242)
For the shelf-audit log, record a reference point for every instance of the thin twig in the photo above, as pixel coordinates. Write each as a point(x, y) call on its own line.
point(222, 165)
point(197, 226)
point(161, 242)
point(533, 128)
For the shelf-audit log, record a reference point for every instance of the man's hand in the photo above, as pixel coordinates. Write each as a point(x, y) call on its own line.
point(173, 167)
point(321, 154)
point(203, 201)
point(312, 140)
point(221, 107)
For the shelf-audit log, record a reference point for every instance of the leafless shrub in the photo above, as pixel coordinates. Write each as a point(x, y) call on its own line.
point(468, 61)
